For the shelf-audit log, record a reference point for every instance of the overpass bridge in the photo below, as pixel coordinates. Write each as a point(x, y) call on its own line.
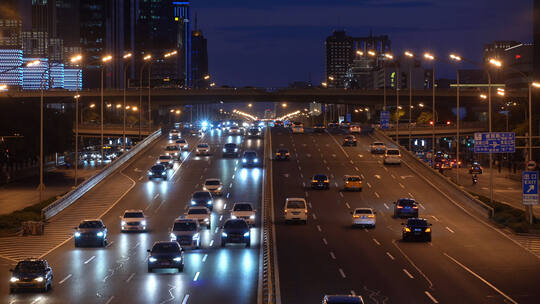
point(94, 130)
point(423, 131)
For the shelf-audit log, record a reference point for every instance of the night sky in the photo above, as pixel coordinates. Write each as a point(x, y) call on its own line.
point(273, 43)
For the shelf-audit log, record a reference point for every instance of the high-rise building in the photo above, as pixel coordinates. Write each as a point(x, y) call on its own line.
point(339, 56)
point(37, 75)
point(182, 16)
point(11, 66)
point(199, 60)
point(10, 33)
point(518, 62)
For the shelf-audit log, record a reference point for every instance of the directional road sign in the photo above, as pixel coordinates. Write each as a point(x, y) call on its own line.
point(495, 142)
point(385, 119)
point(530, 187)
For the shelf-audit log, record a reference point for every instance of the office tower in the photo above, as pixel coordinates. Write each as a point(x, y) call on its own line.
point(199, 60)
point(33, 77)
point(182, 17)
point(10, 66)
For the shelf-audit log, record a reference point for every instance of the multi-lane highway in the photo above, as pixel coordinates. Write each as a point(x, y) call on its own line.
point(118, 273)
point(468, 261)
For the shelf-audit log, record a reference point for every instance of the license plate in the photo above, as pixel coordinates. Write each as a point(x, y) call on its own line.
point(296, 213)
point(164, 263)
point(417, 229)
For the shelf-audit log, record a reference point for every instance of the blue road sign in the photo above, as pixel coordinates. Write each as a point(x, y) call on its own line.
point(385, 119)
point(530, 187)
point(348, 117)
point(495, 142)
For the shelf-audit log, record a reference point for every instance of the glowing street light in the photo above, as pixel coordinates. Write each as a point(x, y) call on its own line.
point(213, 84)
point(331, 78)
point(455, 57)
point(206, 77)
point(3, 87)
point(92, 106)
point(495, 62)
point(371, 53)
point(177, 112)
point(250, 105)
point(33, 63)
point(118, 106)
point(483, 96)
point(536, 84)
point(359, 53)
point(126, 56)
point(429, 56)
point(147, 57)
point(324, 84)
point(106, 58)
point(76, 58)
point(284, 105)
point(409, 54)
point(389, 56)
point(170, 54)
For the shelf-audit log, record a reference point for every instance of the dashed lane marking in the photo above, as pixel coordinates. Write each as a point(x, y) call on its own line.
point(385, 205)
point(332, 255)
point(196, 276)
point(377, 194)
point(130, 277)
point(348, 206)
point(342, 273)
point(435, 218)
point(447, 228)
point(341, 193)
point(65, 279)
point(392, 175)
point(408, 273)
point(204, 257)
point(377, 176)
point(431, 297)
point(401, 185)
point(356, 168)
point(376, 242)
point(186, 297)
point(410, 195)
point(314, 216)
point(90, 259)
point(211, 243)
point(319, 228)
point(390, 256)
point(368, 184)
point(109, 300)
point(324, 241)
point(422, 206)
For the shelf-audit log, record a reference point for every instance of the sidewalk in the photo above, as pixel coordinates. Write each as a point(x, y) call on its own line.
point(23, 193)
point(506, 186)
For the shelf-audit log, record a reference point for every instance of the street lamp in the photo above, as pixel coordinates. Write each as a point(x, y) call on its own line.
point(411, 56)
point(359, 53)
point(76, 59)
point(146, 59)
point(284, 105)
point(457, 59)
point(104, 60)
point(431, 58)
point(127, 58)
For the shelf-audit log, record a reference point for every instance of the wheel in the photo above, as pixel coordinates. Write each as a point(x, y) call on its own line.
point(104, 243)
point(305, 222)
point(150, 269)
point(373, 226)
point(429, 239)
point(181, 268)
point(43, 289)
point(12, 290)
point(360, 189)
point(76, 244)
point(223, 244)
point(248, 243)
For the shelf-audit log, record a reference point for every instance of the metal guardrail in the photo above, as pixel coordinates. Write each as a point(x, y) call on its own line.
point(72, 196)
point(476, 203)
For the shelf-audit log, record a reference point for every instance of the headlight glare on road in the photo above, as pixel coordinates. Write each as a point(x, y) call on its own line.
point(177, 259)
point(246, 234)
point(77, 234)
point(223, 234)
point(99, 233)
point(13, 279)
point(152, 260)
point(39, 279)
point(173, 236)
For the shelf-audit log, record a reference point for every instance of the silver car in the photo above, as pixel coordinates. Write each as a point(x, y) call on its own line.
point(187, 232)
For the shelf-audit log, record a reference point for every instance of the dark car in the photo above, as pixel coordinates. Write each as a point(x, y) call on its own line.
point(157, 171)
point(254, 132)
point(320, 181)
point(278, 123)
point(250, 159)
point(283, 154)
point(166, 255)
point(475, 168)
point(91, 232)
point(235, 231)
point(31, 273)
point(350, 140)
point(230, 150)
point(342, 299)
point(405, 207)
point(203, 199)
point(319, 128)
point(416, 229)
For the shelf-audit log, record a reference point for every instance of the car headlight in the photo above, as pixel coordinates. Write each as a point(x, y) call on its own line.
point(207, 220)
point(143, 223)
point(209, 202)
point(246, 234)
point(407, 229)
point(173, 236)
point(99, 233)
point(195, 236)
point(223, 234)
point(235, 149)
point(123, 223)
point(252, 216)
point(39, 279)
point(13, 279)
point(255, 160)
point(177, 259)
point(219, 188)
point(150, 173)
point(152, 259)
point(428, 229)
point(163, 173)
point(193, 202)
point(233, 216)
point(204, 188)
point(244, 160)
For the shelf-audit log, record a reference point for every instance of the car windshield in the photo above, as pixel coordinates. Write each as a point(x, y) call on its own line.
point(296, 205)
point(185, 226)
point(236, 225)
point(202, 146)
point(165, 157)
point(212, 183)
point(242, 207)
point(172, 148)
point(407, 203)
point(378, 144)
point(392, 152)
point(30, 266)
point(230, 146)
point(166, 247)
point(158, 168)
point(133, 214)
point(181, 141)
point(250, 154)
point(362, 211)
point(417, 223)
point(197, 211)
point(354, 179)
point(320, 177)
point(202, 195)
point(91, 224)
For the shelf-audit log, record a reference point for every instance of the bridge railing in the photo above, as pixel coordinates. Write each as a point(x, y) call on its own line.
point(72, 196)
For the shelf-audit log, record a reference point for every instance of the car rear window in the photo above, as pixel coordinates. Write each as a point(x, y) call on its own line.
point(197, 211)
point(164, 157)
point(408, 203)
point(181, 141)
point(158, 168)
point(172, 148)
point(354, 179)
point(392, 152)
point(320, 177)
point(362, 211)
point(378, 144)
point(133, 214)
point(417, 223)
point(230, 145)
point(202, 145)
point(296, 205)
point(242, 207)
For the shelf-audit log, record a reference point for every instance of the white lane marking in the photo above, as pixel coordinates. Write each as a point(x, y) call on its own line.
point(196, 276)
point(401, 185)
point(301, 175)
point(341, 193)
point(215, 231)
point(392, 175)
point(360, 155)
point(356, 168)
point(230, 185)
point(435, 218)
point(376, 242)
point(348, 206)
point(204, 257)
point(299, 168)
point(431, 297)
point(481, 279)
point(186, 297)
point(307, 194)
point(368, 184)
point(447, 228)
point(324, 161)
point(390, 256)
point(309, 204)
point(65, 279)
point(408, 273)
point(410, 195)
point(228, 194)
point(221, 217)
point(319, 228)
point(90, 259)
point(413, 264)
point(334, 156)
point(235, 168)
point(33, 302)
point(109, 300)
point(140, 178)
point(211, 243)
point(342, 273)
point(335, 184)
point(109, 244)
point(377, 194)
point(332, 255)
point(352, 162)
point(362, 176)
point(385, 205)
point(377, 176)
point(130, 277)
point(324, 241)
point(224, 206)
point(156, 196)
point(385, 169)
point(422, 206)
point(328, 168)
point(233, 176)
point(314, 216)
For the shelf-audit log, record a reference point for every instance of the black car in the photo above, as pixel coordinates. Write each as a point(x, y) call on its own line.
point(350, 140)
point(157, 171)
point(416, 229)
point(235, 231)
point(166, 255)
point(319, 128)
point(203, 199)
point(31, 273)
point(254, 132)
point(230, 149)
point(320, 181)
point(91, 232)
point(250, 159)
point(282, 154)
point(405, 207)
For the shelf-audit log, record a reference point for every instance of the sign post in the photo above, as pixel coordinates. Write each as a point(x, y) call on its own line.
point(530, 192)
point(385, 119)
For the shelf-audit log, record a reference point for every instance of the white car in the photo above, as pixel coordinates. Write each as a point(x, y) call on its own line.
point(133, 220)
point(234, 130)
point(298, 129)
point(213, 185)
point(173, 151)
point(201, 214)
point(295, 210)
point(203, 149)
point(182, 144)
point(174, 134)
point(187, 233)
point(378, 147)
point(392, 157)
point(244, 211)
point(364, 217)
point(355, 129)
point(166, 160)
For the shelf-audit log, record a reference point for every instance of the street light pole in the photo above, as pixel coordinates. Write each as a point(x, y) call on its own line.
point(149, 99)
point(490, 130)
point(126, 56)
point(41, 186)
point(410, 55)
point(102, 72)
point(77, 98)
point(397, 103)
point(457, 58)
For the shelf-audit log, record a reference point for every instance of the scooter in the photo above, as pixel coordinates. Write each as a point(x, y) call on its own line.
point(474, 179)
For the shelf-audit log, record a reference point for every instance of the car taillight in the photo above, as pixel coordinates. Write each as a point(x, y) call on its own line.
point(407, 229)
point(326, 181)
point(305, 211)
point(371, 216)
point(356, 216)
point(428, 229)
point(415, 207)
point(399, 207)
point(286, 210)
point(314, 181)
